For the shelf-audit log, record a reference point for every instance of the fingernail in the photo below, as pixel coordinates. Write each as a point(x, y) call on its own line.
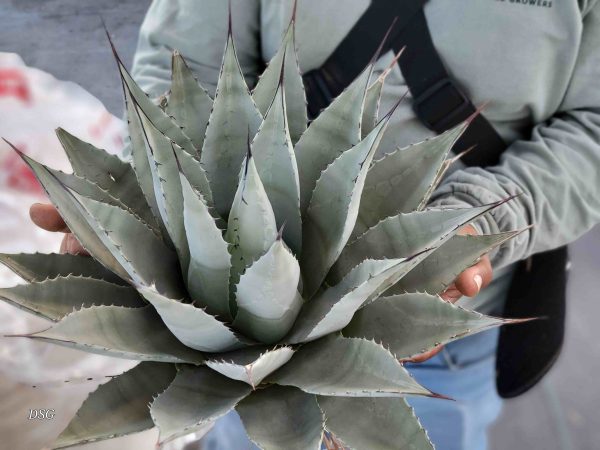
point(478, 281)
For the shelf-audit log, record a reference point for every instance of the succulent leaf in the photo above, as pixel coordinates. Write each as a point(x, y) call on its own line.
point(160, 151)
point(141, 252)
point(333, 209)
point(234, 116)
point(295, 97)
point(332, 309)
point(267, 295)
point(333, 132)
point(436, 272)
point(373, 96)
point(118, 407)
point(196, 176)
point(130, 333)
point(410, 324)
point(251, 228)
point(76, 217)
point(155, 114)
point(276, 165)
point(55, 298)
point(139, 161)
point(88, 189)
point(347, 367)
point(191, 325)
point(107, 171)
point(197, 397)
point(295, 421)
point(374, 423)
point(210, 261)
point(371, 108)
point(405, 234)
point(189, 103)
point(40, 266)
point(250, 365)
point(399, 182)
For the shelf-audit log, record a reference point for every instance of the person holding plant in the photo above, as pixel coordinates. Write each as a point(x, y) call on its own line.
point(535, 64)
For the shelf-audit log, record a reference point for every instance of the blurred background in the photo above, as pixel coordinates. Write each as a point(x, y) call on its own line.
point(48, 49)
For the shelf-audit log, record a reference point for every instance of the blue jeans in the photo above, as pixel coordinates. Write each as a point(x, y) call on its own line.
point(463, 370)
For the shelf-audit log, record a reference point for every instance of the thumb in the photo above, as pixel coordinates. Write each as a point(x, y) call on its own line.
point(47, 217)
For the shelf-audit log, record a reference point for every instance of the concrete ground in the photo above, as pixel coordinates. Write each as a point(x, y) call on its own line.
point(65, 38)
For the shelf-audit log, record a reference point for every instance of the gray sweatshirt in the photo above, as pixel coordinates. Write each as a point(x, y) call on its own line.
point(536, 63)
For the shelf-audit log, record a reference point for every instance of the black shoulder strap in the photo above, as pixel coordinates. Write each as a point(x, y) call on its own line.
point(437, 101)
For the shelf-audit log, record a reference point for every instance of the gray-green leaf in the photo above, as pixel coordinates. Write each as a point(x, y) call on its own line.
point(234, 116)
point(281, 417)
point(139, 161)
point(332, 309)
point(167, 187)
point(55, 298)
point(141, 252)
point(410, 324)
point(399, 182)
point(250, 365)
point(191, 325)
point(155, 114)
point(295, 97)
point(108, 172)
point(40, 266)
point(130, 333)
point(333, 132)
point(405, 234)
point(441, 268)
point(347, 367)
point(189, 103)
point(75, 216)
point(374, 423)
point(210, 262)
point(118, 407)
point(251, 228)
point(276, 165)
point(333, 209)
point(90, 190)
point(267, 295)
point(371, 108)
point(197, 397)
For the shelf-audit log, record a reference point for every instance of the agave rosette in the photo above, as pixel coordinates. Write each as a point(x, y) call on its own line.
point(241, 256)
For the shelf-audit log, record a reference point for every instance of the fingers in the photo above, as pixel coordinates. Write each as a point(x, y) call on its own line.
point(71, 245)
point(468, 283)
point(471, 280)
point(451, 294)
point(475, 278)
point(47, 217)
point(425, 355)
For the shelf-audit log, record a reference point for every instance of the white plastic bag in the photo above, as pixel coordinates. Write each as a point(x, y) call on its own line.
point(32, 105)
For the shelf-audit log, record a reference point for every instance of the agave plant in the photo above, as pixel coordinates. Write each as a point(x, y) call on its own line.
point(242, 255)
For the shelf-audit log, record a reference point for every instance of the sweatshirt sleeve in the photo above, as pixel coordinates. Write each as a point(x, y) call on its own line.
point(198, 30)
point(556, 171)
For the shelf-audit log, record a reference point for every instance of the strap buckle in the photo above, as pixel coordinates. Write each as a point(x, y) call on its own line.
point(441, 105)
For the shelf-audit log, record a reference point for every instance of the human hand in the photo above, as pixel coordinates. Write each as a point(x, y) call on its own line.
point(47, 217)
point(468, 283)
